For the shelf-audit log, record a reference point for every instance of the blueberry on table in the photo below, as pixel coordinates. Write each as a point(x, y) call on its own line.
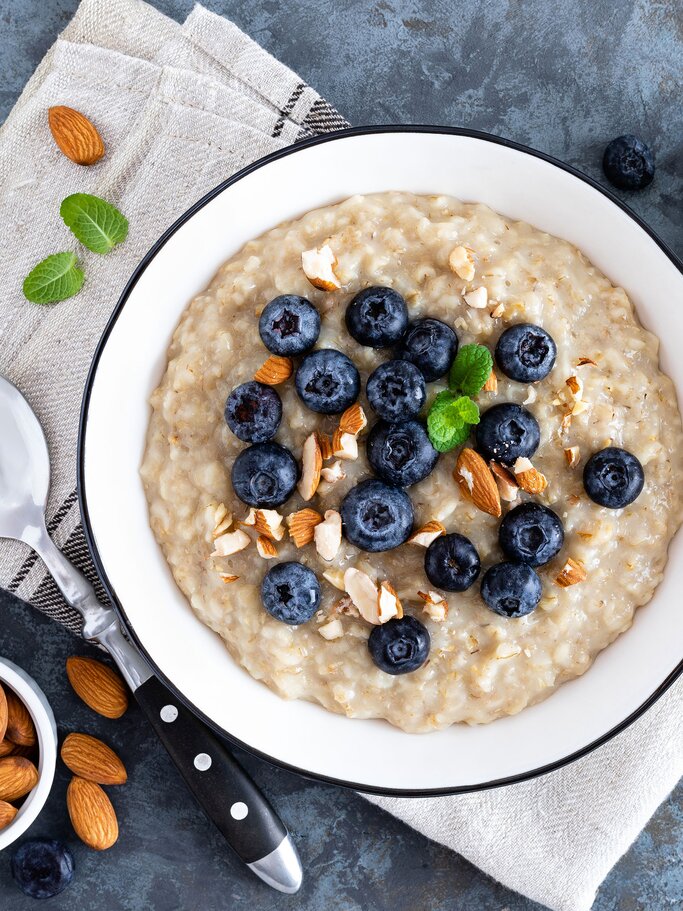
point(396, 390)
point(377, 317)
point(399, 646)
point(264, 475)
point(452, 563)
point(42, 867)
point(613, 477)
point(327, 381)
point(526, 353)
point(531, 533)
point(253, 412)
point(506, 433)
point(290, 592)
point(401, 453)
point(511, 589)
point(431, 345)
point(628, 163)
point(377, 516)
point(289, 325)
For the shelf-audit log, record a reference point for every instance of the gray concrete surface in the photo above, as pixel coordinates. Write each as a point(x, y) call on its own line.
point(563, 77)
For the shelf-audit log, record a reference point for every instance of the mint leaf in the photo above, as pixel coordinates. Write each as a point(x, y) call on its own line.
point(449, 420)
point(53, 279)
point(470, 369)
point(96, 223)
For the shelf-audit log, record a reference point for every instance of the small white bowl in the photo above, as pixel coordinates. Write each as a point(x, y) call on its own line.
point(39, 709)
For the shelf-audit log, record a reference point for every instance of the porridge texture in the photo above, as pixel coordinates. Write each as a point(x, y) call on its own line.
point(481, 665)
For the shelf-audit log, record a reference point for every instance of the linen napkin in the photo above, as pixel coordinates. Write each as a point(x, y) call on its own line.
point(180, 108)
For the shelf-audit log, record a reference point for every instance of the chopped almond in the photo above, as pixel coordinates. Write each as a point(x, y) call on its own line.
point(476, 482)
point(505, 481)
point(478, 299)
point(312, 463)
point(461, 261)
point(388, 604)
point(424, 536)
point(266, 522)
point(491, 384)
point(302, 524)
point(335, 577)
point(346, 607)
point(363, 592)
point(353, 420)
point(529, 478)
point(571, 573)
point(333, 473)
point(497, 311)
point(228, 578)
point(325, 444)
point(344, 445)
point(531, 396)
point(275, 370)
point(579, 408)
point(575, 387)
point(266, 548)
point(332, 630)
point(319, 268)
point(222, 520)
point(566, 422)
point(573, 456)
point(586, 362)
point(435, 605)
point(231, 543)
point(328, 535)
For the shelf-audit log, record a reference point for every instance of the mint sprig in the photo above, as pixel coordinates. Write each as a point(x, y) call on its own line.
point(453, 413)
point(470, 369)
point(96, 223)
point(54, 279)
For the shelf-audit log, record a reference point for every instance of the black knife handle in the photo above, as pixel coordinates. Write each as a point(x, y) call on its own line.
point(222, 788)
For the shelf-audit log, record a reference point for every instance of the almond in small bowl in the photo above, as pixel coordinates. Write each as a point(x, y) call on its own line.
point(28, 751)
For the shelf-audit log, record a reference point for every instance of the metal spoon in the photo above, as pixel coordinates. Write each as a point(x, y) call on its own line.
point(225, 792)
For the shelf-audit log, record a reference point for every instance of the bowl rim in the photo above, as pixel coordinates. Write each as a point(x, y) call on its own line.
point(27, 689)
point(83, 420)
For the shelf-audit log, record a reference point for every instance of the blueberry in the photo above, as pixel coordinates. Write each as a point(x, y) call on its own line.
point(402, 453)
point(400, 645)
point(253, 412)
point(290, 592)
point(264, 475)
point(327, 381)
point(452, 563)
point(289, 325)
point(613, 477)
point(511, 589)
point(377, 317)
point(628, 163)
point(526, 353)
point(507, 432)
point(396, 390)
point(431, 345)
point(531, 533)
point(377, 516)
point(42, 867)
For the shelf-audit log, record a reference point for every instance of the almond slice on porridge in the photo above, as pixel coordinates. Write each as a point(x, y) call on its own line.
point(312, 463)
point(333, 473)
point(477, 299)
point(276, 370)
point(435, 605)
point(334, 629)
point(388, 603)
point(363, 592)
point(232, 542)
point(302, 525)
point(461, 261)
point(571, 574)
point(345, 445)
point(319, 267)
point(429, 532)
point(353, 420)
point(266, 548)
point(328, 535)
point(266, 522)
point(508, 488)
point(529, 478)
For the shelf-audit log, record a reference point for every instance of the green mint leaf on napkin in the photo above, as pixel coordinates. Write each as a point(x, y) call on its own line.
point(470, 369)
point(53, 279)
point(450, 419)
point(96, 223)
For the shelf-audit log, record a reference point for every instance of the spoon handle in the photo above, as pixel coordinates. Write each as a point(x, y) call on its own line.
point(220, 785)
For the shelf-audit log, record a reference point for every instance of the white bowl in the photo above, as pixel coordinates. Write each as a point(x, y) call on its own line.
point(34, 699)
point(370, 755)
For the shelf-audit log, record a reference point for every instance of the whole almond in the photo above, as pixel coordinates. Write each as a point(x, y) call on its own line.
point(75, 135)
point(20, 727)
point(99, 686)
point(3, 713)
point(91, 813)
point(476, 482)
point(89, 758)
point(18, 776)
point(7, 814)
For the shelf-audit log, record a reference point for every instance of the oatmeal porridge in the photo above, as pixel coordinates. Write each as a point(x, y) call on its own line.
point(506, 563)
